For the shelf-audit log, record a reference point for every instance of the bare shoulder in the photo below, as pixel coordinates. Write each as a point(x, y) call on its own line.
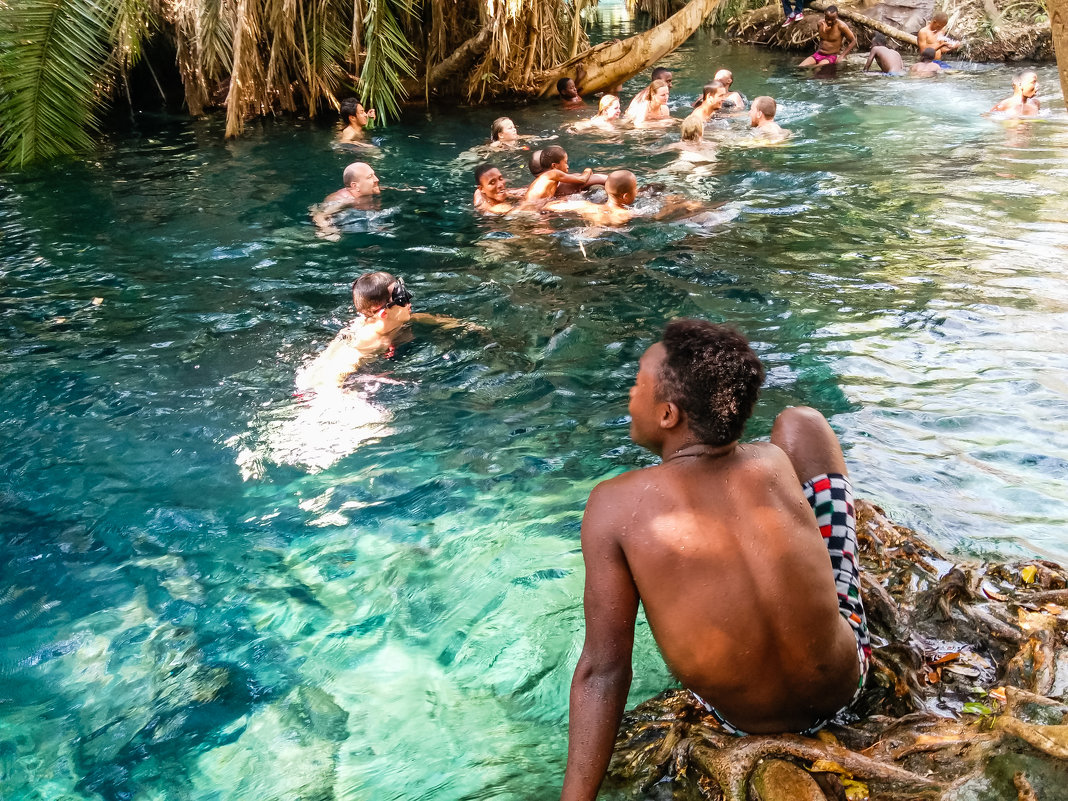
point(616, 497)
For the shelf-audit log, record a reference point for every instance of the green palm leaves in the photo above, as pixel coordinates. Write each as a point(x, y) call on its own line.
point(389, 56)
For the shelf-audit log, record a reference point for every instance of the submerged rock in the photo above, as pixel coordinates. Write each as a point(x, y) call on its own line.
point(967, 696)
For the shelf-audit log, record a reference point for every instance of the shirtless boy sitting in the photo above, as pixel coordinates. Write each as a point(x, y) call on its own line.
point(930, 35)
point(353, 113)
point(554, 172)
point(889, 60)
point(832, 32)
point(927, 65)
point(762, 120)
point(622, 189)
point(1023, 101)
point(743, 556)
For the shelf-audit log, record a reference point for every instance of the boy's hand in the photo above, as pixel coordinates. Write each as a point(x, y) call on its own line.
point(587, 174)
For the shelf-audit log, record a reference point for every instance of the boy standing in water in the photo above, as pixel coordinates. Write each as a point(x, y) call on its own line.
point(832, 32)
point(1023, 101)
point(743, 556)
point(621, 188)
point(927, 65)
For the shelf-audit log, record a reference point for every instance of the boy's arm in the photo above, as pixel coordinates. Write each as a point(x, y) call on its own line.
point(867, 64)
point(602, 676)
point(342, 356)
point(571, 178)
point(445, 322)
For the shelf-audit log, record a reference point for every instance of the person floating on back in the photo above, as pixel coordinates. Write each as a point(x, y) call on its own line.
point(356, 119)
point(930, 35)
point(1023, 102)
point(927, 65)
point(565, 87)
point(743, 555)
point(888, 59)
point(832, 34)
point(762, 120)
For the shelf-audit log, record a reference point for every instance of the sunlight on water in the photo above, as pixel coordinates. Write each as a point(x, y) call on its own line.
point(213, 588)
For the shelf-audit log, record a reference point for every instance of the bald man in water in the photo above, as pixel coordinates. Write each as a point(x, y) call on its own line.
point(742, 555)
point(360, 191)
point(1023, 102)
point(621, 188)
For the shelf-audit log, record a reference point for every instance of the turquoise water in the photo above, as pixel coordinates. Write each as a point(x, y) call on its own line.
point(211, 593)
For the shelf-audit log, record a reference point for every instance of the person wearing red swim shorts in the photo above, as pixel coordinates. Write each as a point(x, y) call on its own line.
point(833, 32)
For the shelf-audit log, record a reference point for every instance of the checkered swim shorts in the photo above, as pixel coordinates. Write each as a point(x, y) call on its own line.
point(831, 498)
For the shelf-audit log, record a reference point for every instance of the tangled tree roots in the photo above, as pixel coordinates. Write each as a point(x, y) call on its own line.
point(967, 692)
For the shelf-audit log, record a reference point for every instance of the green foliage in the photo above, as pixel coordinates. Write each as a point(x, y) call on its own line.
point(52, 69)
point(388, 58)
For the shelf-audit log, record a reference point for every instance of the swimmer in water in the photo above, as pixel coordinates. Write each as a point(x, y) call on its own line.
point(553, 160)
point(926, 66)
point(621, 187)
point(353, 112)
point(565, 87)
point(888, 59)
point(658, 74)
point(492, 195)
point(360, 191)
point(762, 121)
point(607, 113)
point(1023, 102)
point(930, 35)
point(383, 308)
point(654, 111)
point(833, 32)
point(503, 135)
point(734, 101)
point(712, 100)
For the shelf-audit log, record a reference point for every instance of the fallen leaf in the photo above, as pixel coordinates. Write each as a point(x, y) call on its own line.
point(1028, 574)
point(953, 657)
point(826, 766)
point(999, 694)
point(856, 791)
point(97, 301)
point(976, 708)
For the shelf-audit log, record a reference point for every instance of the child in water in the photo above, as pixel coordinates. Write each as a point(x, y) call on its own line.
point(553, 161)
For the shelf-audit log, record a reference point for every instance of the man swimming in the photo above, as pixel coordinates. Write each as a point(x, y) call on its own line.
point(621, 188)
point(360, 191)
point(927, 65)
point(1023, 102)
point(888, 59)
point(742, 555)
point(734, 101)
point(356, 117)
point(832, 33)
point(930, 35)
point(565, 87)
point(712, 99)
point(762, 120)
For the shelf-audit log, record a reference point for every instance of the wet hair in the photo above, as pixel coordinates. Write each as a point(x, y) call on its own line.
point(766, 106)
point(551, 155)
point(711, 87)
point(725, 74)
point(658, 73)
point(693, 127)
point(482, 169)
point(620, 182)
point(831, 10)
point(561, 86)
point(606, 101)
point(534, 164)
point(351, 172)
point(349, 107)
point(928, 54)
point(372, 291)
point(653, 88)
point(879, 40)
point(497, 126)
point(940, 16)
point(712, 375)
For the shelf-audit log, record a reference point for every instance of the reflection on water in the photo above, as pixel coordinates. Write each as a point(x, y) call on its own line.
point(389, 605)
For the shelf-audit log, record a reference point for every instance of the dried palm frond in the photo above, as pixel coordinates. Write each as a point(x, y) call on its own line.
point(53, 56)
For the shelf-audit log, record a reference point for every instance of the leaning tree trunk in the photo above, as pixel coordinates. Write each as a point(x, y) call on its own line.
point(1058, 23)
point(608, 65)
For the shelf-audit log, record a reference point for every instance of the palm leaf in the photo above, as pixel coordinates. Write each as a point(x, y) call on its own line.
point(52, 57)
point(387, 58)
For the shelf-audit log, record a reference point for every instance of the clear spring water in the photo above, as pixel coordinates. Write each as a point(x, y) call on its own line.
point(207, 593)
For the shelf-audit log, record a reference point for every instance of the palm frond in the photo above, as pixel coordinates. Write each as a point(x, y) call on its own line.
point(52, 57)
point(387, 58)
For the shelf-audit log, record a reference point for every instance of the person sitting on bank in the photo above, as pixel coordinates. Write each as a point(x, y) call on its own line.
point(360, 191)
point(793, 11)
point(553, 173)
point(356, 117)
point(833, 32)
point(744, 557)
point(888, 59)
point(762, 120)
point(608, 112)
point(930, 35)
point(927, 65)
point(565, 87)
point(654, 110)
point(1023, 102)
point(621, 187)
point(642, 98)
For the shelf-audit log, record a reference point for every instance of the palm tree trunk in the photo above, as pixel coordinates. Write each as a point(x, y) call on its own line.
point(608, 66)
point(1058, 21)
